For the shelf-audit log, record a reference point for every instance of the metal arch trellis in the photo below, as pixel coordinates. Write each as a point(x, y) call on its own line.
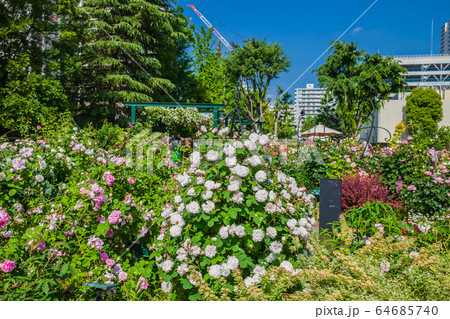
point(235, 112)
point(372, 127)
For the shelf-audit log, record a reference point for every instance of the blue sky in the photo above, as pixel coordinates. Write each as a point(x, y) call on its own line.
point(304, 28)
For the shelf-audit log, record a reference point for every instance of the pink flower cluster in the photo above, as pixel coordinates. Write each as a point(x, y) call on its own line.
point(95, 242)
point(96, 193)
point(115, 217)
point(4, 218)
point(108, 178)
point(8, 265)
point(142, 283)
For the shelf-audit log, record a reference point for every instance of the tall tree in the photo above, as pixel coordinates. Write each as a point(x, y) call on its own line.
point(128, 41)
point(308, 124)
point(29, 68)
point(358, 80)
point(327, 115)
point(424, 110)
point(251, 68)
point(280, 118)
point(209, 66)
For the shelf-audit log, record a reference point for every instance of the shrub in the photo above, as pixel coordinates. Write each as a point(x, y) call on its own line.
point(386, 269)
point(230, 212)
point(361, 188)
point(184, 121)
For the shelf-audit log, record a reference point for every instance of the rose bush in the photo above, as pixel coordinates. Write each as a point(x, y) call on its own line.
point(230, 211)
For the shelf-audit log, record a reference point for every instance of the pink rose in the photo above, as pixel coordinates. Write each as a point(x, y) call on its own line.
point(109, 233)
point(428, 173)
point(115, 217)
point(123, 276)
point(409, 138)
point(108, 178)
point(143, 286)
point(103, 256)
point(131, 180)
point(8, 266)
point(117, 269)
point(4, 218)
point(439, 179)
point(110, 261)
point(6, 234)
point(38, 127)
point(380, 227)
point(412, 188)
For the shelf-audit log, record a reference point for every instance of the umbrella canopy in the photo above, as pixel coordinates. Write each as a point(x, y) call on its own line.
point(320, 130)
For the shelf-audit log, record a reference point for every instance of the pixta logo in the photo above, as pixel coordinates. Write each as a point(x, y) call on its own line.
point(144, 147)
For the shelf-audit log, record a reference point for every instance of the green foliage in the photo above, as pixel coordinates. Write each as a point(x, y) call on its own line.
point(443, 138)
point(308, 124)
point(102, 53)
point(209, 67)
point(251, 68)
point(178, 120)
point(120, 32)
point(424, 110)
point(325, 117)
point(357, 79)
point(29, 95)
point(46, 201)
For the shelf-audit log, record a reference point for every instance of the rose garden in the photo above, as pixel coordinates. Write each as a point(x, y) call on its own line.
point(233, 220)
point(145, 158)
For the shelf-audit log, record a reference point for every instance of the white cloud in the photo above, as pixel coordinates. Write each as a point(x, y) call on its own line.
point(356, 30)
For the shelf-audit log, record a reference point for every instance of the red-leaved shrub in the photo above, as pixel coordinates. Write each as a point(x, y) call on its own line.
point(358, 190)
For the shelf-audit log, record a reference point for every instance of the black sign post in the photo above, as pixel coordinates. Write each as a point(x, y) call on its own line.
point(330, 202)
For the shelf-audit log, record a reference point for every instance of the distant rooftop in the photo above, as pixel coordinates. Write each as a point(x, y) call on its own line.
point(420, 56)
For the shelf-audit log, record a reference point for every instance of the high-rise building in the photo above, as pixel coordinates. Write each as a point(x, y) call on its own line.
point(427, 71)
point(445, 38)
point(308, 99)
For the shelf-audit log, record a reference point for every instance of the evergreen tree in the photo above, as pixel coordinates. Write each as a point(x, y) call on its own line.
point(209, 66)
point(127, 42)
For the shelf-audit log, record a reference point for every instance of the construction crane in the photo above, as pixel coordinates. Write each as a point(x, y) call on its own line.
point(218, 35)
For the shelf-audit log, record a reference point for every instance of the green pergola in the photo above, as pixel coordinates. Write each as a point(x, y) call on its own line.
point(202, 108)
point(217, 110)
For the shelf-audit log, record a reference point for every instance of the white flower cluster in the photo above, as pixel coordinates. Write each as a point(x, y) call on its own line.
point(279, 196)
point(184, 179)
point(193, 208)
point(226, 231)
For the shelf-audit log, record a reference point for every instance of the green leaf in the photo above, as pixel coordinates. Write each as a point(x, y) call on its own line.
point(45, 288)
point(12, 192)
point(73, 269)
point(186, 285)
point(64, 269)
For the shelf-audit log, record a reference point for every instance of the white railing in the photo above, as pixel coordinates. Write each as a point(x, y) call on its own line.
point(419, 56)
